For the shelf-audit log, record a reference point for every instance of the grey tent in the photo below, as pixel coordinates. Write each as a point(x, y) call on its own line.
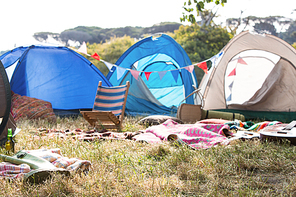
point(254, 76)
point(6, 119)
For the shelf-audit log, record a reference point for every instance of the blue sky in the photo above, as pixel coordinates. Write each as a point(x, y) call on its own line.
point(21, 19)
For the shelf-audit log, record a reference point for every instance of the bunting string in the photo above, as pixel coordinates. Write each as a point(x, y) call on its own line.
point(233, 74)
point(135, 73)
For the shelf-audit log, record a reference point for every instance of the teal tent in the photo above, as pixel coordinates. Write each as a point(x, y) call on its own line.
point(164, 80)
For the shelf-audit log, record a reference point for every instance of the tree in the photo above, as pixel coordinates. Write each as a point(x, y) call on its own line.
point(161, 27)
point(234, 23)
point(74, 35)
point(290, 35)
point(109, 51)
point(92, 34)
point(199, 7)
point(272, 24)
point(43, 36)
point(201, 43)
point(264, 27)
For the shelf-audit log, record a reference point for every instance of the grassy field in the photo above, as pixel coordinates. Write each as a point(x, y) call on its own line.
point(128, 168)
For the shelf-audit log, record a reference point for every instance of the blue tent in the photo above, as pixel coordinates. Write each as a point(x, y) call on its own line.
point(168, 83)
point(58, 75)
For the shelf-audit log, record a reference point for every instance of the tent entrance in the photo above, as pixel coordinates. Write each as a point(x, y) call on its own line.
point(165, 84)
point(159, 62)
point(246, 73)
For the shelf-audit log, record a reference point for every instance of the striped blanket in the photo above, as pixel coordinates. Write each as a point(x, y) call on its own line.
point(201, 135)
point(54, 156)
point(197, 136)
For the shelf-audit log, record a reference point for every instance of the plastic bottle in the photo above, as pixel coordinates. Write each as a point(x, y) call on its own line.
point(9, 145)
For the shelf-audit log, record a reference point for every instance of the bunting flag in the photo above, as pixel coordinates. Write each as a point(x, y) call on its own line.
point(190, 68)
point(220, 54)
point(232, 73)
point(229, 98)
point(241, 61)
point(230, 86)
point(83, 49)
point(161, 74)
point(147, 75)
point(120, 72)
point(175, 74)
point(203, 66)
point(96, 56)
point(135, 74)
point(109, 65)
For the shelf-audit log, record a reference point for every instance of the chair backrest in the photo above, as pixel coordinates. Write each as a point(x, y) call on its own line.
point(111, 98)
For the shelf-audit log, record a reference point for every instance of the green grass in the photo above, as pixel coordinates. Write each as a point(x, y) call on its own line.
point(128, 168)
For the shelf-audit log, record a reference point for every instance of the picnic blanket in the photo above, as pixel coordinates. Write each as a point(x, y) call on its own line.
point(82, 135)
point(250, 126)
point(197, 135)
point(203, 134)
point(54, 156)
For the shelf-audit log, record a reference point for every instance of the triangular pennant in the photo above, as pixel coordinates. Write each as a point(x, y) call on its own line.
point(109, 65)
point(203, 66)
point(233, 72)
point(229, 98)
point(161, 74)
point(135, 74)
point(96, 56)
point(230, 86)
point(241, 61)
point(220, 54)
point(147, 74)
point(83, 49)
point(175, 74)
point(189, 68)
point(120, 72)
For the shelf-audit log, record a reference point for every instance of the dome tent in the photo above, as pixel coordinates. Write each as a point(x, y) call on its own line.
point(168, 82)
point(255, 77)
point(58, 75)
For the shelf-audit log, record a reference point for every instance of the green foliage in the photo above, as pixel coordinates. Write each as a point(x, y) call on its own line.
point(201, 43)
point(42, 36)
point(260, 24)
point(109, 51)
point(199, 7)
point(267, 24)
point(165, 27)
point(266, 28)
point(290, 35)
point(93, 34)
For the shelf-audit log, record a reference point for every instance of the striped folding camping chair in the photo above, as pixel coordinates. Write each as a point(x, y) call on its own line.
point(109, 107)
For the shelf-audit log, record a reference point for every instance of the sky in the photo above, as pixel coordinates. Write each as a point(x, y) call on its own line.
point(21, 19)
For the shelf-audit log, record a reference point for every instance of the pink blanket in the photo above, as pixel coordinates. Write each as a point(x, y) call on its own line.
point(195, 135)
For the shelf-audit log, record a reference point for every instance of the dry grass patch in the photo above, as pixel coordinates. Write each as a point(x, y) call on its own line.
point(128, 168)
